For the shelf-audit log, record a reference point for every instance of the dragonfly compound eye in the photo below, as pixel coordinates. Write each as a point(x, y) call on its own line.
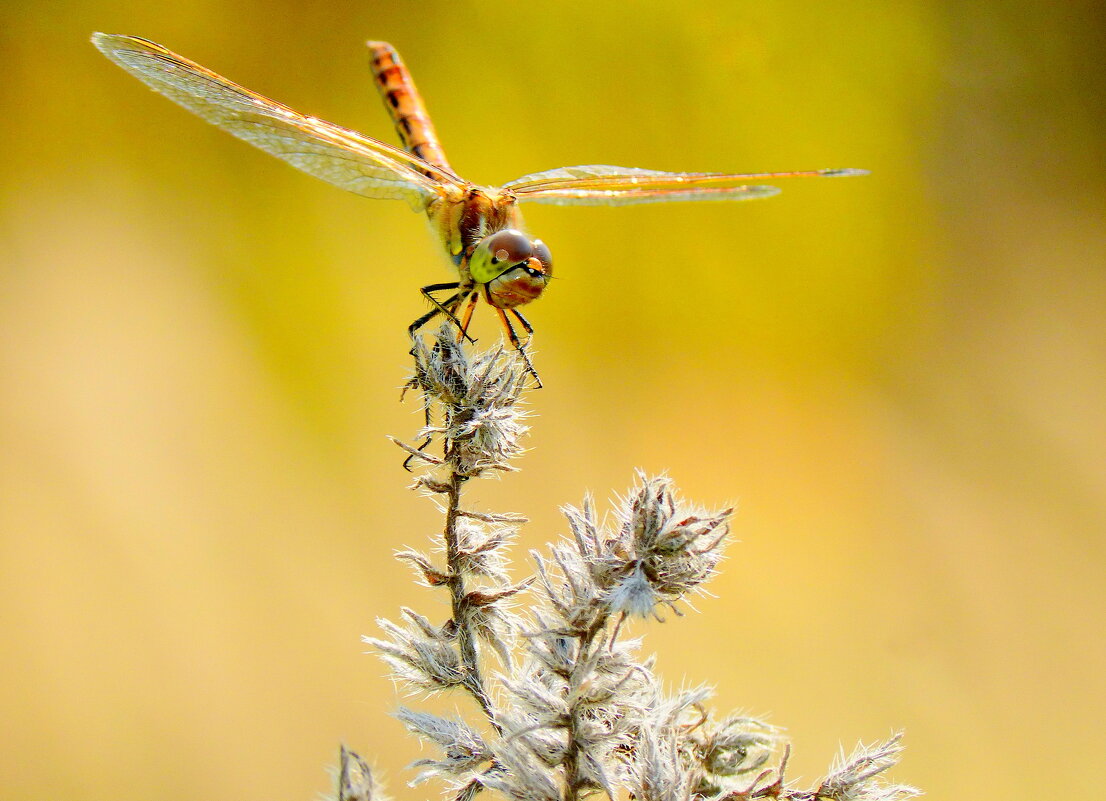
point(497, 253)
point(509, 246)
point(541, 252)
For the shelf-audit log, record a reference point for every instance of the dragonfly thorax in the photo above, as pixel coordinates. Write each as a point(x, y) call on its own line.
point(514, 268)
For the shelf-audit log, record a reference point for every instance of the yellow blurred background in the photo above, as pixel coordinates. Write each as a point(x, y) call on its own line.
point(901, 379)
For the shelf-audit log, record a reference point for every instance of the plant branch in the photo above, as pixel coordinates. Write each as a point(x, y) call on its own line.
point(466, 637)
point(579, 712)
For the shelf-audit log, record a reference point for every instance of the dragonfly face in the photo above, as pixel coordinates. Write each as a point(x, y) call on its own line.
point(480, 227)
point(514, 268)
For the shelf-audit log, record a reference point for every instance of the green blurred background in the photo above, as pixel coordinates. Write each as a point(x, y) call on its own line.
point(900, 378)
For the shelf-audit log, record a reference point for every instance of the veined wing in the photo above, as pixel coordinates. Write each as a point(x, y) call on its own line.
point(342, 157)
point(602, 184)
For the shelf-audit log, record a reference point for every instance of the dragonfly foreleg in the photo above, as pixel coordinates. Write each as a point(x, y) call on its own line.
point(445, 307)
point(519, 346)
point(429, 437)
point(422, 381)
point(419, 381)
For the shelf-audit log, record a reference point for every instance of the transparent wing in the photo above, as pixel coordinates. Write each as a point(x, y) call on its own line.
point(602, 184)
point(630, 197)
point(342, 157)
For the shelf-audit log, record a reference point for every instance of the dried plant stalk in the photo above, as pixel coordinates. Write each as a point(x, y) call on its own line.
point(571, 711)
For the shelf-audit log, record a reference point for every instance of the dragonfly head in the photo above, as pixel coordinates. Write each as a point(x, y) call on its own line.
point(514, 267)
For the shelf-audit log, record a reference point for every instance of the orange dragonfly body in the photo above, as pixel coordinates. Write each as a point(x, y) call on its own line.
point(480, 227)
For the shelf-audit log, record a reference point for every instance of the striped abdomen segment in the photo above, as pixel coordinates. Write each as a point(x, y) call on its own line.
point(405, 105)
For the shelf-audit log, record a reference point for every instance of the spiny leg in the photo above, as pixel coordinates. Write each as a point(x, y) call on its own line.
point(440, 307)
point(466, 318)
point(525, 323)
point(529, 333)
point(426, 419)
point(413, 329)
point(518, 345)
point(418, 381)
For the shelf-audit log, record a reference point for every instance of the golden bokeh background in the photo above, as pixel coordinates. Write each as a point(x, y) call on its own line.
point(901, 379)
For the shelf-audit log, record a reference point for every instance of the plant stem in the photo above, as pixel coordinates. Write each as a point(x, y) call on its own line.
point(575, 783)
point(466, 637)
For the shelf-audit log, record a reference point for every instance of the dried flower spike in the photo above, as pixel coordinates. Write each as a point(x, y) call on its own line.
point(477, 401)
point(355, 780)
point(571, 711)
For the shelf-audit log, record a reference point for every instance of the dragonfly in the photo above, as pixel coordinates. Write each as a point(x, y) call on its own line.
point(479, 227)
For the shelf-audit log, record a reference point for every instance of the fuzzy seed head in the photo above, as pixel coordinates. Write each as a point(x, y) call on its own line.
point(476, 400)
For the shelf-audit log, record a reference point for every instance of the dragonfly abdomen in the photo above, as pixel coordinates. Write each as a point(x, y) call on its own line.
point(405, 105)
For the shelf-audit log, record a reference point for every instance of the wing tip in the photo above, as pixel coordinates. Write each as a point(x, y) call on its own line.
point(844, 172)
point(106, 40)
point(745, 192)
point(111, 43)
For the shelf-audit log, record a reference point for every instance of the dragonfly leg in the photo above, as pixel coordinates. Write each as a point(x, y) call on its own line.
point(519, 346)
point(445, 307)
point(430, 315)
point(413, 329)
point(466, 318)
point(525, 323)
point(418, 381)
point(429, 439)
